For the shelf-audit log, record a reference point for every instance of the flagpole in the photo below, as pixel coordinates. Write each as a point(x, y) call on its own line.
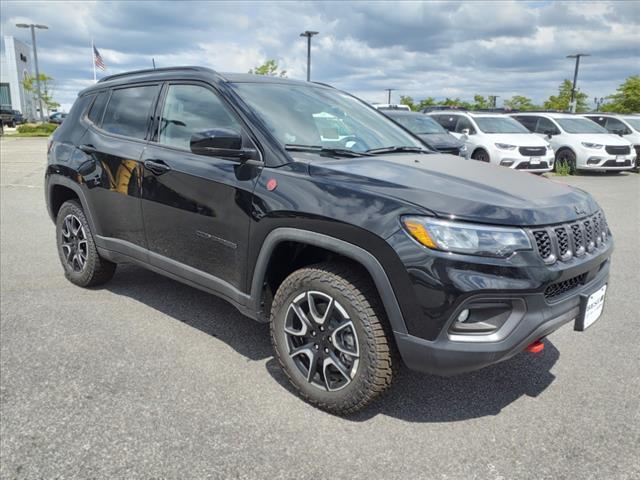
point(93, 60)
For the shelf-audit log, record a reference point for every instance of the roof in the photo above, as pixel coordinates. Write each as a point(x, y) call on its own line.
point(400, 112)
point(190, 72)
point(468, 112)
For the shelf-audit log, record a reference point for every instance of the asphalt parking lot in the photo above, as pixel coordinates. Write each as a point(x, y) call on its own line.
point(148, 378)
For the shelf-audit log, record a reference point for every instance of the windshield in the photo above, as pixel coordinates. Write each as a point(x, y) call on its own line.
point(579, 125)
point(417, 123)
point(301, 115)
point(634, 122)
point(499, 125)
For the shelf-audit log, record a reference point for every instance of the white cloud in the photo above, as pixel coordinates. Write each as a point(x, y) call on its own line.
point(422, 49)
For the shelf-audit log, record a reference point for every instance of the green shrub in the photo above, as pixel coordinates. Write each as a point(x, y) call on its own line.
point(563, 169)
point(44, 129)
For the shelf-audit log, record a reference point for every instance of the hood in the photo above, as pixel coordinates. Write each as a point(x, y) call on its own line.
point(451, 186)
point(441, 140)
point(602, 138)
point(517, 139)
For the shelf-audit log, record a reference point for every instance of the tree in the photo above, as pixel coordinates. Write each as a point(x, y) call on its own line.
point(417, 107)
point(46, 87)
point(627, 98)
point(479, 102)
point(269, 68)
point(455, 102)
point(425, 103)
point(519, 102)
point(408, 101)
point(563, 99)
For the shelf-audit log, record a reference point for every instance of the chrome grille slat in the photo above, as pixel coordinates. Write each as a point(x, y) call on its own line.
point(562, 242)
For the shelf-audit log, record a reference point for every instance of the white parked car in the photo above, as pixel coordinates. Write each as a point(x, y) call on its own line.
point(391, 106)
point(497, 138)
point(579, 142)
point(627, 126)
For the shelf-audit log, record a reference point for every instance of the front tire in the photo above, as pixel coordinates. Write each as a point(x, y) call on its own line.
point(329, 335)
point(77, 250)
point(567, 157)
point(481, 155)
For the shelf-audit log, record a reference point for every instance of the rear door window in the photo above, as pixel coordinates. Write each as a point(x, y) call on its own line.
point(599, 120)
point(129, 111)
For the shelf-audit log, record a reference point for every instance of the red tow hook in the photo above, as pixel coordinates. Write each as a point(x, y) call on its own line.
point(535, 347)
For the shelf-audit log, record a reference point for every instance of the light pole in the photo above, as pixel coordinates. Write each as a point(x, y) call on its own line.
point(33, 27)
point(574, 102)
point(389, 90)
point(308, 34)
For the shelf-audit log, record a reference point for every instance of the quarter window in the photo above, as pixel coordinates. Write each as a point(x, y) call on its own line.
point(129, 111)
point(97, 109)
point(189, 109)
point(448, 122)
point(528, 122)
point(599, 120)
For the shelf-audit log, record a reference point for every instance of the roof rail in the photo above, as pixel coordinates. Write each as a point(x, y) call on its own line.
point(148, 70)
point(544, 111)
point(323, 84)
point(438, 108)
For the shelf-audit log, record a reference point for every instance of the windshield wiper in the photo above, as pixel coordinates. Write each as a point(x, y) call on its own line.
point(340, 152)
point(377, 151)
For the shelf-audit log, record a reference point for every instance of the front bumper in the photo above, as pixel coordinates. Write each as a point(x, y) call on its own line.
point(599, 159)
point(434, 347)
point(513, 159)
point(449, 357)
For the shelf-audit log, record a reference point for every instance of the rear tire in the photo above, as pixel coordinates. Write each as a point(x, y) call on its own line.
point(77, 250)
point(330, 337)
point(481, 155)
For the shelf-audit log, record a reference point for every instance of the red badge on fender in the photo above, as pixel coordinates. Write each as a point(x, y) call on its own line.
point(272, 184)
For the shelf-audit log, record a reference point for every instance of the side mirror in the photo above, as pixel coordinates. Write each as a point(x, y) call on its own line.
point(220, 142)
point(550, 133)
point(465, 132)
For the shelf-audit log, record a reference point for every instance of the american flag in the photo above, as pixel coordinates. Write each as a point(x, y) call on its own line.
point(98, 59)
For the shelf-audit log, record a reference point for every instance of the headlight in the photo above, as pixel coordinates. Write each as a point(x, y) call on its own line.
point(468, 238)
point(591, 145)
point(505, 146)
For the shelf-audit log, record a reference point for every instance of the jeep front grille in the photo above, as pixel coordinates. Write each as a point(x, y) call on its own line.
point(562, 242)
point(565, 286)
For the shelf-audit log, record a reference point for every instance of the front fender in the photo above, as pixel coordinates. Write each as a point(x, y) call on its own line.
point(354, 252)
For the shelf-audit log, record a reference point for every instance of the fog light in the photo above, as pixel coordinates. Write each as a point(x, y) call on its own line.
point(463, 316)
point(506, 163)
point(594, 161)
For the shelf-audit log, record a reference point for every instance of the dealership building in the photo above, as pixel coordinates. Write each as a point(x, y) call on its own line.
point(16, 64)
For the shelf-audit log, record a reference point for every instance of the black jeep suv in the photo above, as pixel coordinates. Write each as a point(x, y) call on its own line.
point(360, 247)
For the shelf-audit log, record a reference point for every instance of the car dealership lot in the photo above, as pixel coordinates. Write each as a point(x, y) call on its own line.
point(150, 378)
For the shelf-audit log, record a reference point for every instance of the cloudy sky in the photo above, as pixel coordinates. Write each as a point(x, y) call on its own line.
point(425, 49)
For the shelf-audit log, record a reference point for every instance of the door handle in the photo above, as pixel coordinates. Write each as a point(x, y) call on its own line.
point(157, 167)
point(88, 149)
